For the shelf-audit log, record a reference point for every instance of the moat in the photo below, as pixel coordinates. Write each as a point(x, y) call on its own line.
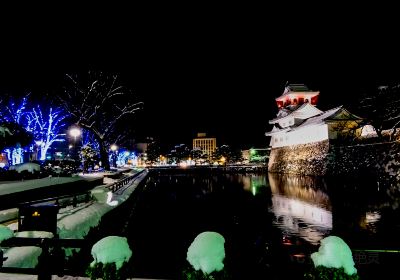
point(271, 222)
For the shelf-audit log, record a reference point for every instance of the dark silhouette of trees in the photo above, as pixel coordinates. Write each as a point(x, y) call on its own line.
point(382, 109)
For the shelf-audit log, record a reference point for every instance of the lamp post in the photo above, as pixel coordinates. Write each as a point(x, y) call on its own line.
point(75, 132)
point(114, 149)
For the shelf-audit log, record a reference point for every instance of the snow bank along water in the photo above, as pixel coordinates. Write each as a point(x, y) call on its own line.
point(207, 252)
point(334, 253)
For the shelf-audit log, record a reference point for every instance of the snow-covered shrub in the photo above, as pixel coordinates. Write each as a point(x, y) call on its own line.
point(5, 233)
point(29, 167)
point(334, 253)
point(109, 254)
point(207, 252)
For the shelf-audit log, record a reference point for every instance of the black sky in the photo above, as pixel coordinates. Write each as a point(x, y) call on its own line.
point(216, 72)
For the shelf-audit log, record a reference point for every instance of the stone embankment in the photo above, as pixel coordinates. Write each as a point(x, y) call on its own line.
point(381, 160)
point(305, 159)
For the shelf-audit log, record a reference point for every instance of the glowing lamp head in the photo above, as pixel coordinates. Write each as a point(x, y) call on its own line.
point(75, 132)
point(113, 147)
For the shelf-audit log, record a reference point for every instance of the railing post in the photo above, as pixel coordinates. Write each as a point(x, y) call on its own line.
point(44, 271)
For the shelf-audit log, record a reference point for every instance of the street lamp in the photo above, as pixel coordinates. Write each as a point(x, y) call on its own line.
point(114, 149)
point(75, 132)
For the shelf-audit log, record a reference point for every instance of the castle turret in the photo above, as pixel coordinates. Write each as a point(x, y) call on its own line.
point(297, 94)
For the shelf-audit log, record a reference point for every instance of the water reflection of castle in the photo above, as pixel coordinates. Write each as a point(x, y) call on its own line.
point(300, 208)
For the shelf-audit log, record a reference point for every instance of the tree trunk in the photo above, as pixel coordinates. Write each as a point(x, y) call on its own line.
point(104, 155)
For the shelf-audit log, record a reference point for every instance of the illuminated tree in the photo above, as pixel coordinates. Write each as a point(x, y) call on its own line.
point(47, 127)
point(13, 136)
point(88, 156)
point(197, 155)
point(227, 153)
point(13, 111)
point(12, 114)
point(98, 103)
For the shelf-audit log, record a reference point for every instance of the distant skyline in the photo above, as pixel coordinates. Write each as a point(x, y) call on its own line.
point(210, 78)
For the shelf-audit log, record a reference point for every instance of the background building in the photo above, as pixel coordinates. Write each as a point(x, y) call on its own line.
point(206, 145)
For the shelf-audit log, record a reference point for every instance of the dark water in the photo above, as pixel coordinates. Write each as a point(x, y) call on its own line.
point(271, 223)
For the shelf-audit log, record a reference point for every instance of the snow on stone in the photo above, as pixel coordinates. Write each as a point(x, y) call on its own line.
point(78, 224)
point(334, 253)
point(109, 181)
point(5, 233)
point(111, 249)
point(24, 257)
point(8, 214)
point(29, 166)
point(34, 234)
point(207, 252)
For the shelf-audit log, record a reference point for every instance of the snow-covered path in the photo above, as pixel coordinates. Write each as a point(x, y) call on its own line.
point(76, 222)
point(35, 184)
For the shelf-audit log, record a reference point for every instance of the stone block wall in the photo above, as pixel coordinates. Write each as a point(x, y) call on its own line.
point(305, 159)
point(381, 160)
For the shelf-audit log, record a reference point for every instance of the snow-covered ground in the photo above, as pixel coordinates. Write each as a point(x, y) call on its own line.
point(75, 222)
point(21, 186)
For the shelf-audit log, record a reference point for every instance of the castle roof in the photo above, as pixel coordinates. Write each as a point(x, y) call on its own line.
point(335, 114)
point(303, 111)
point(295, 89)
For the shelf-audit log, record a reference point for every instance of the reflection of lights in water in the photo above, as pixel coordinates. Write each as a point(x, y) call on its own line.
point(301, 208)
point(372, 217)
point(109, 198)
point(368, 222)
point(301, 218)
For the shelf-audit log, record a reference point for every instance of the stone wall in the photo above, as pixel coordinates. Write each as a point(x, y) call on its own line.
point(381, 160)
point(305, 159)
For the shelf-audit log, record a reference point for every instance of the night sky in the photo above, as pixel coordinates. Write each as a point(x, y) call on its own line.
point(214, 73)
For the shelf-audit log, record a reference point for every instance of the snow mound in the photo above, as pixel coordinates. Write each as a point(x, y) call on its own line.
point(35, 234)
point(29, 166)
point(24, 257)
point(100, 194)
point(111, 249)
point(207, 252)
point(5, 233)
point(334, 252)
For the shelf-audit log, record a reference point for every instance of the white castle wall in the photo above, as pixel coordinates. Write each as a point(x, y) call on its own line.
point(306, 135)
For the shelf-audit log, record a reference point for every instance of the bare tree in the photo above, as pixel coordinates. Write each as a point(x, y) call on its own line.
point(98, 103)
